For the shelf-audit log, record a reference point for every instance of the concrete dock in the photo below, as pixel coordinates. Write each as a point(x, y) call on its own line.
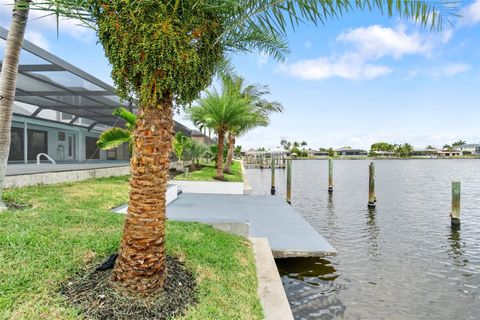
point(288, 234)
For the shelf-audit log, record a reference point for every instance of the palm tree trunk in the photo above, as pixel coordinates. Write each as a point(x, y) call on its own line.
point(140, 266)
point(8, 82)
point(228, 162)
point(219, 164)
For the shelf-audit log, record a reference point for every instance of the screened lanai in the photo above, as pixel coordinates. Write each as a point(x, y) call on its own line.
point(60, 109)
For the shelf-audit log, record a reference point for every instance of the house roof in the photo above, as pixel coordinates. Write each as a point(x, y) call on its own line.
point(470, 145)
point(349, 149)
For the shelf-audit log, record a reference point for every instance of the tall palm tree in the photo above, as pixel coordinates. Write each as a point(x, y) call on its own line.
point(221, 112)
point(8, 82)
point(261, 109)
point(168, 51)
point(115, 136)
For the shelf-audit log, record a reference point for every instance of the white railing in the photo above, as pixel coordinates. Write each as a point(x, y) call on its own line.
point(46, 156)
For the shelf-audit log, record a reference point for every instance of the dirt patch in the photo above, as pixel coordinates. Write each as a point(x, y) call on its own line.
point(13, 204)
point(94, 294)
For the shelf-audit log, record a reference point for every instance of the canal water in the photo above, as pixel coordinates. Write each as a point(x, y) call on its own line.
point(401, 260)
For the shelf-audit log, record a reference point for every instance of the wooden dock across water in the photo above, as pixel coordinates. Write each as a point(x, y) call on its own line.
point(288, 233)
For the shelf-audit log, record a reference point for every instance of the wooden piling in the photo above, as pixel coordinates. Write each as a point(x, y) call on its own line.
point(371, 186)
point(330, 175)
point(289, 181)
point(272, 189)
point(455, 214)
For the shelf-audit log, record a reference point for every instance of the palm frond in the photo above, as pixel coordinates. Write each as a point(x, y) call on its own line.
point(113, 138)
point(126, 115)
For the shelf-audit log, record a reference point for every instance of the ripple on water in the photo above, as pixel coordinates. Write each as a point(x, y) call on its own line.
point(399, 261)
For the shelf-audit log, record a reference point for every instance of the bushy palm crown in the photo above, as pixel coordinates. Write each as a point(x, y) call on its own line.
point(254, 93)
point(220, 111)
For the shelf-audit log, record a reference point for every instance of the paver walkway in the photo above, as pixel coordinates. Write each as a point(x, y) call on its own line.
point(269, 217)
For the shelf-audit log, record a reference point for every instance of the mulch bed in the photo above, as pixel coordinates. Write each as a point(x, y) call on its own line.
point(93, 293)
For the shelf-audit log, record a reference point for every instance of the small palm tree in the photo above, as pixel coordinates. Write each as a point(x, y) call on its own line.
point(220, 112)
point(115, 136)
point(181, 145)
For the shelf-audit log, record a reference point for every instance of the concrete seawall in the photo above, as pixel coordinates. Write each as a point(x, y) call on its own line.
point(25, 180)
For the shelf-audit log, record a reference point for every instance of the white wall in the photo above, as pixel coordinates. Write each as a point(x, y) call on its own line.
point(54, 145)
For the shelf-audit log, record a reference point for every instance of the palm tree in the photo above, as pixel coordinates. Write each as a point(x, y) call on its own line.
point(221, 112)
point(458, 143)
point(261, 109)
point(8, 82)
point(115, 136)
point(168, 51)
point(181, 144)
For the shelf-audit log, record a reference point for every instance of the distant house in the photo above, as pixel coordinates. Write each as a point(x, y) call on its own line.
point(436, 153)
point(472, 148)
point(317, 153)
point(349, 152)
point(201, 138)
point(379, 153)
point(426, 152)
point(450, 153)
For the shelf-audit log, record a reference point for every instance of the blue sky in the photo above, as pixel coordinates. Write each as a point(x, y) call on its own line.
point(354, 81)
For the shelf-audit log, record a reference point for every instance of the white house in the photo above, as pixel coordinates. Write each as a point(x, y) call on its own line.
point(472, 148)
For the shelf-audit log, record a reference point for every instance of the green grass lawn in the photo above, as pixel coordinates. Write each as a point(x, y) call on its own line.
point(69, 227)
point(208, 172)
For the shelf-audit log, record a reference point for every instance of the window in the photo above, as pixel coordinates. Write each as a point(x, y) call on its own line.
point(16, 145)
point(70, 146)
point(37, 143)
point(91, 150)
point(112, 154)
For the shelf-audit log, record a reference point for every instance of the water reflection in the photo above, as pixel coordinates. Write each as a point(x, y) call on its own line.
point(311, 287)
point(373, 233)
point(456, 248)
point(331, 211)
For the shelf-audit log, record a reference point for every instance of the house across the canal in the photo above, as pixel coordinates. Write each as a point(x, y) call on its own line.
point(349, 152)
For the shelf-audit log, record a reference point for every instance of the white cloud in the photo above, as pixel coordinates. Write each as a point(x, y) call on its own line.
point(451, 69)
point(362, 47)
point(471, 13)
point(326, 67)
point(375, 42)
point(37, 38)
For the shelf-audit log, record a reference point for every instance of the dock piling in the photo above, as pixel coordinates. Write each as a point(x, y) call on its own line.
point(289, 181)
point(330, 175)
point(371, 186)
point(272, 189)
point(455, 214)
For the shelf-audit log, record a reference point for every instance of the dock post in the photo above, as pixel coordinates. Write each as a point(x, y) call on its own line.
point(330, 175)
point(371, 186)
point(455, 214)
point(272, 189)
point(289, 181)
